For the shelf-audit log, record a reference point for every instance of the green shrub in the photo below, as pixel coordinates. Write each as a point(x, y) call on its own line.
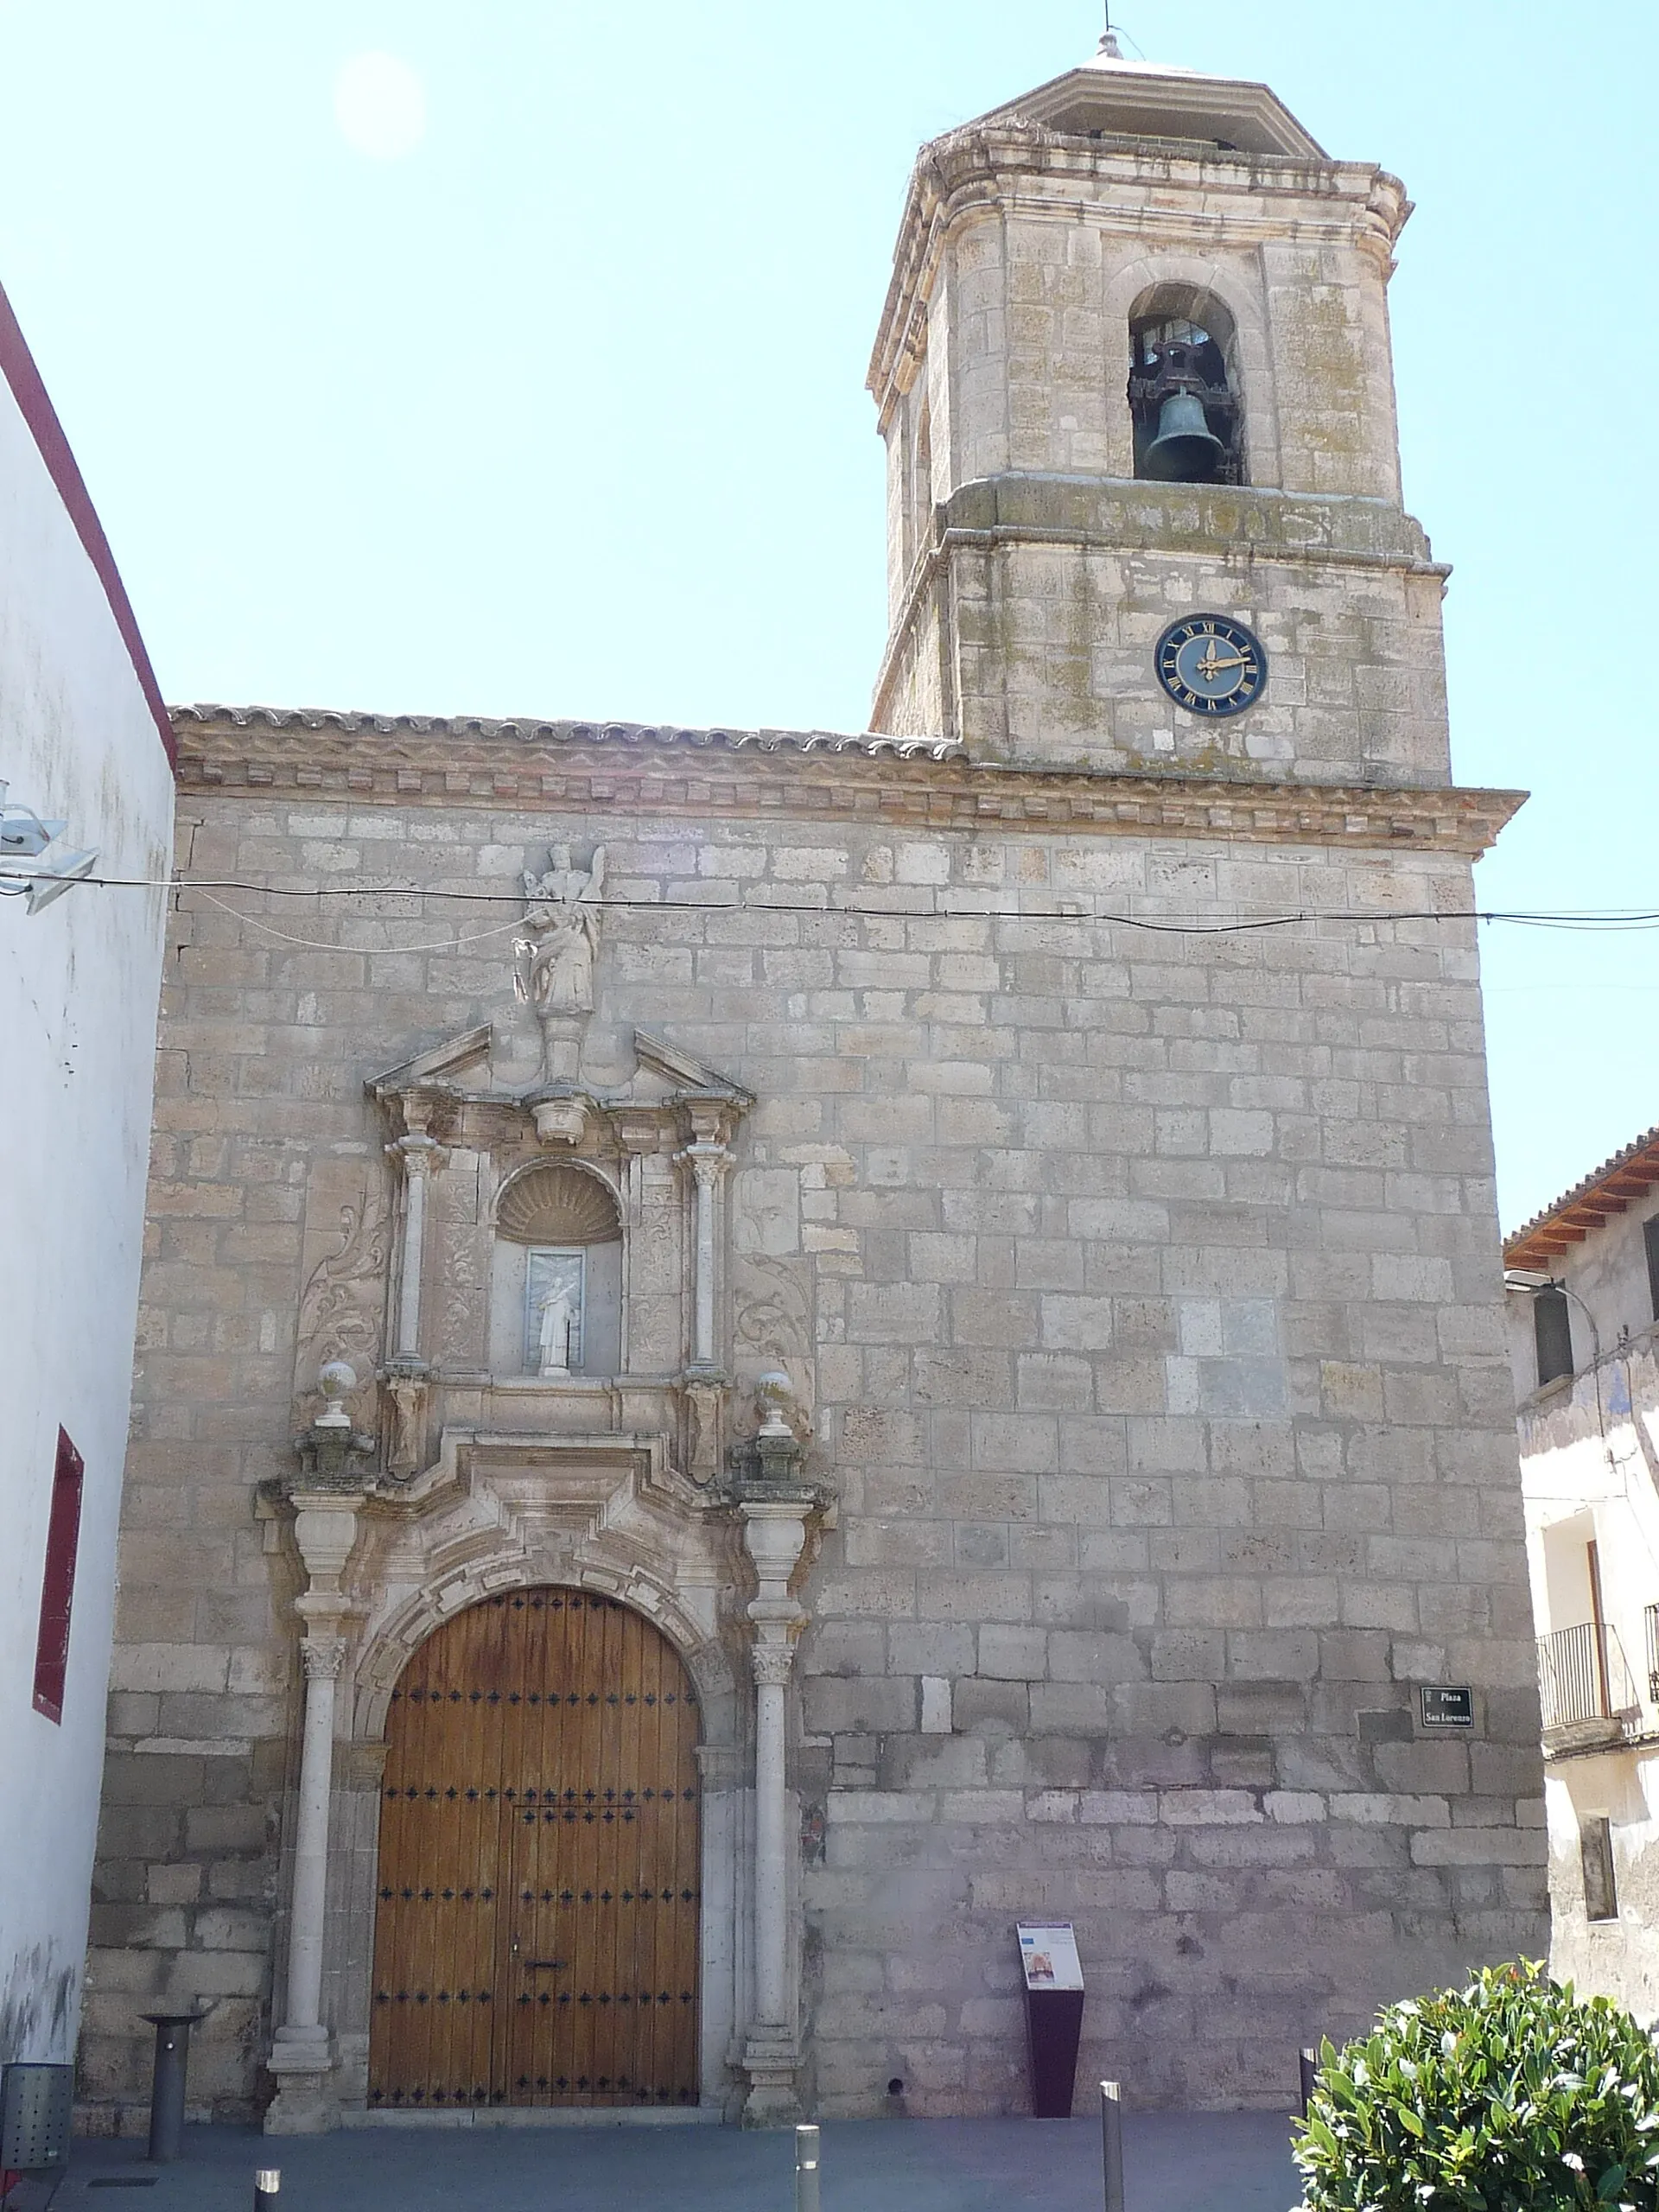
point(1511, 2095)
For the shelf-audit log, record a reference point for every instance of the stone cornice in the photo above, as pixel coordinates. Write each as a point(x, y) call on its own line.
point(620, 770)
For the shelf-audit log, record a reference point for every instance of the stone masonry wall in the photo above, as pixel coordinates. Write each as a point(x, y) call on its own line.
point(1035, 634)
point(1158, 1363)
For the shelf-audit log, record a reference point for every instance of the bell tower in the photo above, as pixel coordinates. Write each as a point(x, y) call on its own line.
point(1135, 367)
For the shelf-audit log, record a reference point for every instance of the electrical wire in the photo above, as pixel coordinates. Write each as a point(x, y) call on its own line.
point(330, 945)
point(1615, 920)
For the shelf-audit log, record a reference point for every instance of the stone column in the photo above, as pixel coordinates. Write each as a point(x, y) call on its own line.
point(322, 1657)
point(772, 1664)
point(774, 1535)
point(710, 1161)
point(420, 1156)
point(302, 2053)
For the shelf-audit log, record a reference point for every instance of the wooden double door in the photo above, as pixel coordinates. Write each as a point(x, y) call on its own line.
point(537, 1923)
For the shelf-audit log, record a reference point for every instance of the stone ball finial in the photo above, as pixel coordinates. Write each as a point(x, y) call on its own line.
point(337, 1379)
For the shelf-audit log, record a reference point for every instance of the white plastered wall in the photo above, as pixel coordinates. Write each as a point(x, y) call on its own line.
point(1590, 1468)
point(79, 986)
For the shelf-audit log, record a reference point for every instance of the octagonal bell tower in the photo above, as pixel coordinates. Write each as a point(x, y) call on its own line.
point(1069, 265)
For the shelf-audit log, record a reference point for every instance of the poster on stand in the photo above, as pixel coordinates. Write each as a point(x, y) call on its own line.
point(1048, 1952)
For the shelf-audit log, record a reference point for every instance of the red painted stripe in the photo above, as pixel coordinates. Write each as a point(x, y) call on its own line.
point(17, 365)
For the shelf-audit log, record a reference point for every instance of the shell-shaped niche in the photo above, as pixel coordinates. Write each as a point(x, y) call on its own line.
point(558, 1204)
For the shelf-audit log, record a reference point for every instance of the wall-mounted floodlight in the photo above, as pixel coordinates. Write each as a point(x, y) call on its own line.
point(25, 835)
point(51, 883)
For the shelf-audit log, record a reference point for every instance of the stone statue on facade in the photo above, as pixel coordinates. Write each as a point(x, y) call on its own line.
point(559, 1312)
point(562, 921)
point(562, 915)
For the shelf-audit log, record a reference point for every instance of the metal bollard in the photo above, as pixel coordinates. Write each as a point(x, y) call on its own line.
point(1308, 2067)
point(166, 2085)
point(806, 2169)
point(1111, 2143)
point(266, 2183)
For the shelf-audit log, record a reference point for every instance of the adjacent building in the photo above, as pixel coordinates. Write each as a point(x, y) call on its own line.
point(766, 1352)
point(1584, 1279)
point(85, 783)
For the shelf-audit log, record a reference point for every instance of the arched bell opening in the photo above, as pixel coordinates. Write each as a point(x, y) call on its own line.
point(538, 1894)
point(1183, 388)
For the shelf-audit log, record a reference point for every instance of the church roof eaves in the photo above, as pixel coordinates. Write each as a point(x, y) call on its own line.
point(614, 768)
point(535, 731)
point(1540, 1244)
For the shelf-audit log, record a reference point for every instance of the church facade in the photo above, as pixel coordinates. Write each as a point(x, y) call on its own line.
point(766, 1353)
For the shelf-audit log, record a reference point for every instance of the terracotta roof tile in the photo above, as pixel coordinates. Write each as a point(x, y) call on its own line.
point(1627, 1174)
point(534, 730)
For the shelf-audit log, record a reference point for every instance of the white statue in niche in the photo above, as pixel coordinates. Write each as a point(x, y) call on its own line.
point(562, 915)
point(553, 1300)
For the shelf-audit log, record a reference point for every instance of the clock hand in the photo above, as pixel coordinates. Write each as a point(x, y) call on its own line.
point(1212, 664)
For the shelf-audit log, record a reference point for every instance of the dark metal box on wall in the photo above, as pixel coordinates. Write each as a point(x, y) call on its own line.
point(34, 2116)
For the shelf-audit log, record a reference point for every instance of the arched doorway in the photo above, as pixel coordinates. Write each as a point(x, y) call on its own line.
point(537, 1923)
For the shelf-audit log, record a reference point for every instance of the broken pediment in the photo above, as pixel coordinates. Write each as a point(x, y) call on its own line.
point(428, 1089)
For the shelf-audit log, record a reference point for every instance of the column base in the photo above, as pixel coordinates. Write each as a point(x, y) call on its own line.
point(772, 2059)
point(306, 2101)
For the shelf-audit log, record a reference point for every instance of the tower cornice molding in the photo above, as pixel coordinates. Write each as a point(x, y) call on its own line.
point(1117, 515)
point(632, 770)
point(980, 172)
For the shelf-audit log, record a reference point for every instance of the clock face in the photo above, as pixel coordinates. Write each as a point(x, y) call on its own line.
point(1211, 666)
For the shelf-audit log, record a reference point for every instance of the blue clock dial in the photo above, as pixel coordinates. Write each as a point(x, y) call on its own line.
point(1211, 666)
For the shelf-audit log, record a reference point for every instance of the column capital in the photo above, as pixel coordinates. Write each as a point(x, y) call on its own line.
point(772, 1665)
point(322, 1657)
point(419, 1154)
point(708, 1161)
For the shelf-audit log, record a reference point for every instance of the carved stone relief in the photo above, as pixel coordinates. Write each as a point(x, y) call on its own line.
point(458, 1283)
point(772, 1321)
point(406, 1402)
point(345, 1257)
point(657, 1269)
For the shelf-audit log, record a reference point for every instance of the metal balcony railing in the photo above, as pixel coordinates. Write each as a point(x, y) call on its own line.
point(1651, 1620)
point(1587, 1689)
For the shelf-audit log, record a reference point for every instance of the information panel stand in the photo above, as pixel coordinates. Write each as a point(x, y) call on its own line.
point(1048, 1955)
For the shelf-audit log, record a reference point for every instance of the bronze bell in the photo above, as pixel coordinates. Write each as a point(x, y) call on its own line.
point(1186, 449)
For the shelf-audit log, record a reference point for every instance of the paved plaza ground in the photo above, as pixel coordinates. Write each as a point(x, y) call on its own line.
point(1173, 2162)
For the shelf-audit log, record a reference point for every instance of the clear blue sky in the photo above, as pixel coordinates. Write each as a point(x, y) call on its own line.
point(562, 412)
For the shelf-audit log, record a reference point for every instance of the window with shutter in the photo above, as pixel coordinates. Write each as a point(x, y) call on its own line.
point(1551, 1324)
point(58, 1585)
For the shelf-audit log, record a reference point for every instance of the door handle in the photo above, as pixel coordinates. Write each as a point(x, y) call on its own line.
point(534, 1966)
